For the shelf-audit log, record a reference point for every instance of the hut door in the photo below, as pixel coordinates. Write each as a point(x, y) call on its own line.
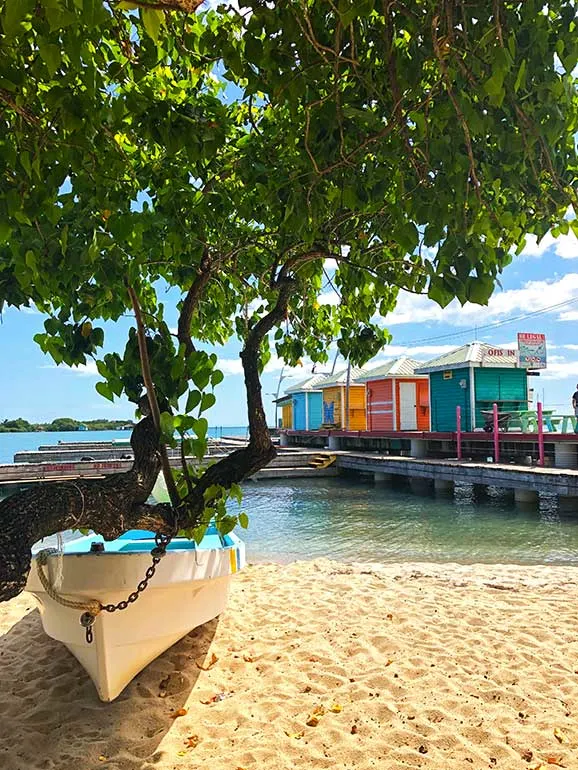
point(407, 406)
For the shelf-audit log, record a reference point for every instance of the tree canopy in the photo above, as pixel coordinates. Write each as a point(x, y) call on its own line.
point(230, 153)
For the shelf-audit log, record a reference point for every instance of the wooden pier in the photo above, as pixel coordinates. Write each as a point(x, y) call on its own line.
point(526, 481)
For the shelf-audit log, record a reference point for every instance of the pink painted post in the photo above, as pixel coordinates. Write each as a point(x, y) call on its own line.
point(540, 436)
point(459, 430)
point(496, 435)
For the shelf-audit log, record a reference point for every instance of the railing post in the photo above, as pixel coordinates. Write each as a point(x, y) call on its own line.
point(496, 435)
point(459, 430)
point(540, 436)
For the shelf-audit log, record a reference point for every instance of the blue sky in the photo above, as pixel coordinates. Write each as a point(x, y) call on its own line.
point(543, 276)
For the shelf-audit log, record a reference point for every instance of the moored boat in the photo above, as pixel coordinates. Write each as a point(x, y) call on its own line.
point(190, 587)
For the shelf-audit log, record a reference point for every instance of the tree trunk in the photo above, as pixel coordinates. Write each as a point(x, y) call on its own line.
point(109, 506)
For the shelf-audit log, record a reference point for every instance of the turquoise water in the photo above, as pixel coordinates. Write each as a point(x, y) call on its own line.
point(10, 443)
point(352, 520)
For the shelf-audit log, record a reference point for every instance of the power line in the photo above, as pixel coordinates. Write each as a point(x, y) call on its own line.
point(494, 325)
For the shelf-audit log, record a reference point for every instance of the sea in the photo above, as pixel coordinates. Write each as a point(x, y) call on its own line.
point(10, 443)
point(352, 519)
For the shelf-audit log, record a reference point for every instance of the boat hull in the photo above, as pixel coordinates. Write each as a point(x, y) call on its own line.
point(189, 588)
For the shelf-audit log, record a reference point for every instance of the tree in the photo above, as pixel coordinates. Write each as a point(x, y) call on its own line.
point(230, 155)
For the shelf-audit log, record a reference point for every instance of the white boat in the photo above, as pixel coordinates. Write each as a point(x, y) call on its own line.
point(189, 588)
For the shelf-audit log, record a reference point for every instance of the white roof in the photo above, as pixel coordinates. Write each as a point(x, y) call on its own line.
point(396, 367)
point(311, 383)
point(341, 377)
point(473, 354)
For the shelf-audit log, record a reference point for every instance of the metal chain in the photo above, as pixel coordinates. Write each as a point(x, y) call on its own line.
point(161, 543)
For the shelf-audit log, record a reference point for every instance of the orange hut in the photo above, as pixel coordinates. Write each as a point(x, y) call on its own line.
point(396, 397)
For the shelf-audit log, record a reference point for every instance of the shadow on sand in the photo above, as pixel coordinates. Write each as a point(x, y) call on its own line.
point(51, 717)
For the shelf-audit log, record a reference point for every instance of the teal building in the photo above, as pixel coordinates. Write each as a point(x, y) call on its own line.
point(474, 377)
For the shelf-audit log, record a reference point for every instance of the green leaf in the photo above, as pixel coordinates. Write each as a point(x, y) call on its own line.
point(152, 20)
point(5, 231)
point(439, 293)
point(521, 76)
point(15, 11)
point(243, 520)
point(217, 377)
point(104, 390)
point(226, 524)
point(167, 427)
point(198, 533)
point(193, 399)
point(479, 290)
point(201, 426)
point(207, 401)
point(51, 56)
point(236, 492)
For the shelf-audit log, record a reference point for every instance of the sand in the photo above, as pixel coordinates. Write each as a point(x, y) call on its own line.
point(407, 666)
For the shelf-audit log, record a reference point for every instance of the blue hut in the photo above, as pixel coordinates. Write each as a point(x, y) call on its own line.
point(474, 377)
point(307, 403)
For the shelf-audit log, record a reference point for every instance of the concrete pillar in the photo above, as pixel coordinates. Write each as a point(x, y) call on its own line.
point(334, 442)
point(382, 478)
point(525, 496)
point(480, 490)
point(421, 486)
point(443, 486)
point(565, 455)
point(283, 439)
point(418, 447)
point(568, 504)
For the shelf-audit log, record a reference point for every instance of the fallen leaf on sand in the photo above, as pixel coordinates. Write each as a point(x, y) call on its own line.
point(206, 666)
point(296, 736)
point(318, 711)
point(336, 708)
point(102, 758)
point(178, 713)
point(552, 760)
point(249, 658)
point(216, 698)
point(559, 735)
point(181, 753)
point(192, 741)
point(312, 721)
point(388, 662)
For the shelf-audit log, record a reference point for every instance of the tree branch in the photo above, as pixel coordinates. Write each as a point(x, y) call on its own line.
point(191, 302)
point(260, 449)
point(187, 6)
point(152, 397)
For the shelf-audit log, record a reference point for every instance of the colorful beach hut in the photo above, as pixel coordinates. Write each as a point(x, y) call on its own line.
point(334, 389)
point(286, 405)
point(474, 377)
point(307, 403)
point(396, 397)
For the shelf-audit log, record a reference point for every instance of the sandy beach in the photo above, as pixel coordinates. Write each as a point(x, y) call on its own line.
point(320, 665)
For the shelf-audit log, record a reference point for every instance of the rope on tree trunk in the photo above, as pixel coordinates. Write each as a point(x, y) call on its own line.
point(93, 606)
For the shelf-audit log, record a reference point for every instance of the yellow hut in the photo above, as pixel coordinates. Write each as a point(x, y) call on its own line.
point(286, 404)
point(336, 395)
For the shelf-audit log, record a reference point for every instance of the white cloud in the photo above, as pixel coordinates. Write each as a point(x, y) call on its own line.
point(230, 366)
point(532, 296)
point(560, 370)
point(329, 298)
point(412, 351)
point(565, 246)
point(568, 315)
point(85, 370)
